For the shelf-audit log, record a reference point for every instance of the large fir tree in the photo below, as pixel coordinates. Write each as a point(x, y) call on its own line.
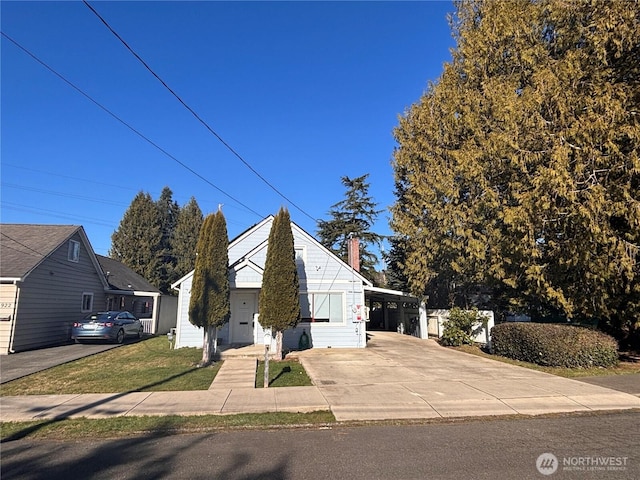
point(519, 168)
point(353, 216)
point(137, 242)
point(185, 238)
point(169, 211)
point(279, 295)
point(209, 306)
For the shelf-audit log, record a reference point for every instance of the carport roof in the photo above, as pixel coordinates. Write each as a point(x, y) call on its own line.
point(377, 294)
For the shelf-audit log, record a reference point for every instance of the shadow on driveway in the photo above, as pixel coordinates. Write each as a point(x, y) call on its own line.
point(21, 364)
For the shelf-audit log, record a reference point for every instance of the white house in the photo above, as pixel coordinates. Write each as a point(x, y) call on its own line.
point(332, 295)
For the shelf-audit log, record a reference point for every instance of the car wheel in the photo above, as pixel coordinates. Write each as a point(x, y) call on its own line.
point(120, 336)
point(140, 333)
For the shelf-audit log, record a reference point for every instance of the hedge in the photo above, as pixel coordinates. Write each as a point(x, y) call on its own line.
point(554, 345)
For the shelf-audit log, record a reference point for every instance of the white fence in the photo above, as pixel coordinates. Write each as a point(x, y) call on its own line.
point(481, 334)
point(147, 324)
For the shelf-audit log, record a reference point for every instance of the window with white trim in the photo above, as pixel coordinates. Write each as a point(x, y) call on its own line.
point(74, 251)
point(322, 307)
point(87, 302)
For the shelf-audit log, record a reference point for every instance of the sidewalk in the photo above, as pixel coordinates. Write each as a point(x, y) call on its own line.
point(395, 377)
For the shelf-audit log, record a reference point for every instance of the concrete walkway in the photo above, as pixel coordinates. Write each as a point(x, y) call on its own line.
point(395, 377)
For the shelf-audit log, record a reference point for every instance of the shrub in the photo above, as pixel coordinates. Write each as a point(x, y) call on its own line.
point(554, 345)
point(459, 327)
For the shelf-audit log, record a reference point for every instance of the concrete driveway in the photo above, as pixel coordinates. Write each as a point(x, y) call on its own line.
point(416, 378)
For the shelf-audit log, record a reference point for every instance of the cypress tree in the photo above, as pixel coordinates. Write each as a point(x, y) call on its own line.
point(517, 170)
point(209, 306)
point(279, 295)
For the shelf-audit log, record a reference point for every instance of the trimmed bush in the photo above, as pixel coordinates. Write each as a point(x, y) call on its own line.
point(459, 327)
point(554, 345)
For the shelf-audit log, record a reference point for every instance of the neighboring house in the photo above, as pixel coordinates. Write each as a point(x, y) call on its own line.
point(333, 295)
point(130, 291)
point(49, 277)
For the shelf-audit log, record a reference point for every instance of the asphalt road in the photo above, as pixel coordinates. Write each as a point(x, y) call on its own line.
point(482, 449)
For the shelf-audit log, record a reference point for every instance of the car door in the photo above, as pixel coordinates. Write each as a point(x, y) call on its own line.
point(123, 320)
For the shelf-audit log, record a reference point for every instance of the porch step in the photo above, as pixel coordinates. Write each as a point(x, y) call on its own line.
point(236, 373)
point(240, 351)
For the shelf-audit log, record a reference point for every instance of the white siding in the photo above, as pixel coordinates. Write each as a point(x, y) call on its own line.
point(319, 271)
point(187, 335)
point(8, 298)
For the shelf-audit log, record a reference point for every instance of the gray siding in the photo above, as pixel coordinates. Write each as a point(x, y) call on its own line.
point(50, 298)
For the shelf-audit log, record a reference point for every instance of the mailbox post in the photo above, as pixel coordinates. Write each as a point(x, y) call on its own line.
point(267, 345)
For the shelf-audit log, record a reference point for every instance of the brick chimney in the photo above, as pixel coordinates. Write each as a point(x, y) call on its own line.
point(353, 247)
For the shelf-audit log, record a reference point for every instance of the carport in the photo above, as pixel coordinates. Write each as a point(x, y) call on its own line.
point(392, 310)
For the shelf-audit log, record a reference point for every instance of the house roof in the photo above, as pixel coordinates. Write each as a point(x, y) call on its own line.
point(23, 247)
point(121, 277)
point(267, 219)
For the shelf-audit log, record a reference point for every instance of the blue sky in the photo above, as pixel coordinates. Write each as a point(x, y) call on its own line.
point(305, 92)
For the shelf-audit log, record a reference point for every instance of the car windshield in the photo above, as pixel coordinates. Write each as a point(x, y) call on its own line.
point(100, 317)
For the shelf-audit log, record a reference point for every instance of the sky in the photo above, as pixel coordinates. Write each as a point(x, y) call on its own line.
point(304, 93)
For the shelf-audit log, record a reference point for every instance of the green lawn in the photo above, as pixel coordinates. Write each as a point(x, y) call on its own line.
point(164, 425)
point(146, 366)
point(283, 374)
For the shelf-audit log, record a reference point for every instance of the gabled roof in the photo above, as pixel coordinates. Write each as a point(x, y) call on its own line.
point(121, 277)
point(301, 231)
point(23, 247)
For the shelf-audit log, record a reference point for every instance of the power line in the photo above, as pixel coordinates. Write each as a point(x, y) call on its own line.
point(206, 125)
point(141, 135)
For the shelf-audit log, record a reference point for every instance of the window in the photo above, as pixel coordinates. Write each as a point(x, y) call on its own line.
point(74, 251)
point(87, 302)
point(322, 307)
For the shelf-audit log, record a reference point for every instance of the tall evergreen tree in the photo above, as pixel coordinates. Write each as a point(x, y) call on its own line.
point(353, 216)
point(137, 242)
point(209, 306)
point(185, 238)
point(519, 168)
point(279, 295)
point(169, 211)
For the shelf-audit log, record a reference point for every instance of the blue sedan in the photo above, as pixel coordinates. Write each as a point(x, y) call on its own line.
point(112, 326)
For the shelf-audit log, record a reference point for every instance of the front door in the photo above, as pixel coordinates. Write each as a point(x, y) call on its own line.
point(243, 306)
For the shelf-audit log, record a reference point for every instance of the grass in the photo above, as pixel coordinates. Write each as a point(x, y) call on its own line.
point(623, 368)
point(285, 373)
point(146, 366)
point(116, 427)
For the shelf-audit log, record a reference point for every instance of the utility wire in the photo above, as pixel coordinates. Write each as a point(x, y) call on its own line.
point(206, 125)
point(141, 135)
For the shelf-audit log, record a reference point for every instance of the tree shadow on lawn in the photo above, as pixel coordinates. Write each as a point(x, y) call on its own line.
point(66, 415)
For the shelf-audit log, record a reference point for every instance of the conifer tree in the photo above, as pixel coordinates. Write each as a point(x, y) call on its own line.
point(137, 241)
point(209, 306)
point(279, 295)
point(518, 169)
point(185, 238)
point(168, 211)
point(353, 216)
